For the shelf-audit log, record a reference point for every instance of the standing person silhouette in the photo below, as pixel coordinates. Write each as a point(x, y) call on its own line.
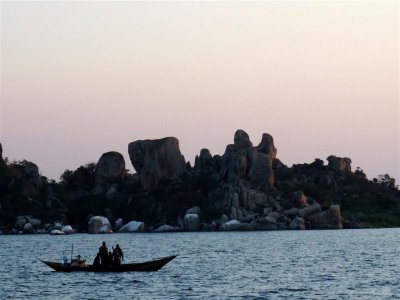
point(103, 250)
point(118, 253)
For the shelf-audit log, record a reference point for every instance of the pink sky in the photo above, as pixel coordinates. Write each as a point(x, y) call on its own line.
point(82, 78)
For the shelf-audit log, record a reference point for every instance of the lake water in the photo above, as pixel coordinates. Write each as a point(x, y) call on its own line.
point(341, 264)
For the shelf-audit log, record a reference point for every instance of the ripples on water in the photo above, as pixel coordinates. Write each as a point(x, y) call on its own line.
point(344, 264)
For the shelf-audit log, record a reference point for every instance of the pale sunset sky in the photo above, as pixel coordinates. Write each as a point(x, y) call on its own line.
point(82, 78)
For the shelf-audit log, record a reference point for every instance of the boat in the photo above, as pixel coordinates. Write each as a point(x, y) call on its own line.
point(147, 266)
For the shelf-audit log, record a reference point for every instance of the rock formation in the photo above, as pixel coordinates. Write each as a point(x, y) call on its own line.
point(247, 188)
point(67, 229)
point(309, 210)
point(28, 228)
point(99, 224)
point(339, 164)
point(191, 222)
point(260, 174)
point(267, 146)
point(204, 163)
point(254, 164)
point(155, 160)
point(110, 167)
point(31, 182)
point(235, 225)
point(132, 226)
point(297, 224)
point(328, 219)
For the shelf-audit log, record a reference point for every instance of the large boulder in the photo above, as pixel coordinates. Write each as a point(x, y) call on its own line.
point(155, 160)
point(67, 229)
point(20, 222)
point(309, 210)
point(241, 140)
point(328, 219)
point(297, 224)
point(99, 224)
point(132, 226)
point(262, 158)
point(260, 174)
point(28, 228)
point(166, 228)
point(267, 146)
point(234, 225)
point(110, 167)
point(36, 223)
point(339, 164)
point(191, 222)
point(235, 162)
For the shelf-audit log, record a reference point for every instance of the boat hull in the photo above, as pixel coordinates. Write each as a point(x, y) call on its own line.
point(148, 266)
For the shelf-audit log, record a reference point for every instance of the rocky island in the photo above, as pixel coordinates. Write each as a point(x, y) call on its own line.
point(247, 188)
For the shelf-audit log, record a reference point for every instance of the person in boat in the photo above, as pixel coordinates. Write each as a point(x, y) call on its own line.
point(103, 250)
point(117, 260)
point(110, 258)
point(118, 254)
point(97, 260)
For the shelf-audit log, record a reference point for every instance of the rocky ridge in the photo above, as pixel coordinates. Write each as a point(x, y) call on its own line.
point(247, 188)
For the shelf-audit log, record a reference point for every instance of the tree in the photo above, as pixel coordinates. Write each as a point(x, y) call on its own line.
point(387, 181)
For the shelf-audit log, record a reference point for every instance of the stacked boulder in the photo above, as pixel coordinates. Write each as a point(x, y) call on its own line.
point(254, 164)
point(156, 160)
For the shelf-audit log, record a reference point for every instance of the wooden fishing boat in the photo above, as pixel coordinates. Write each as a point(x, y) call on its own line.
point(147, 266)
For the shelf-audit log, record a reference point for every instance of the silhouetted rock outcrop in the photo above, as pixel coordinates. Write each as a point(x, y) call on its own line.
point(155, 160)
point(254, 164)
point(110, 167)
point(204, 162)
point(247, 188)
point(341, 164)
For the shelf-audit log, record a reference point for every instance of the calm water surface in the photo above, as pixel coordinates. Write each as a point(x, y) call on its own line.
point(344, 264)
